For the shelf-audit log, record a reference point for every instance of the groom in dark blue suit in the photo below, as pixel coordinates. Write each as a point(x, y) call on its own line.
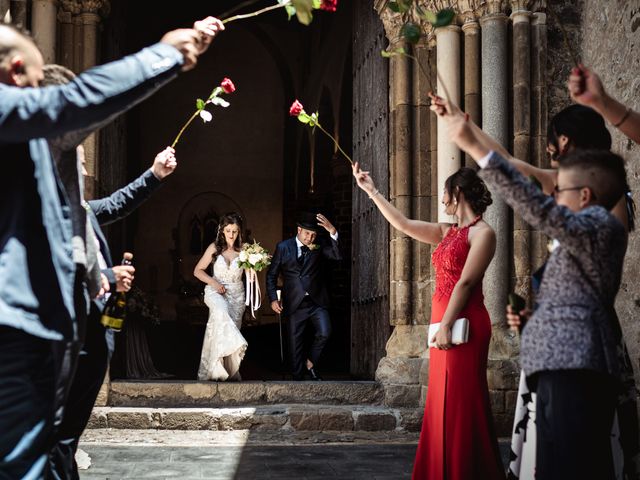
point(304, 297)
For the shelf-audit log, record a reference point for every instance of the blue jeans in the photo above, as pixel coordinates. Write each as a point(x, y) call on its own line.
point(27, 404)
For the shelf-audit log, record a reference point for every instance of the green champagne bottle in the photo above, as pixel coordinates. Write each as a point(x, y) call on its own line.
point(115, 311)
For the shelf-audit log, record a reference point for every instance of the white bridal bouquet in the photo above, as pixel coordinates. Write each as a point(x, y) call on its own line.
point(253, 258)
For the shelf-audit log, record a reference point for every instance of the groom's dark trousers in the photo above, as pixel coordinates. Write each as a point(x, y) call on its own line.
point(304, 297)
point(307, 312)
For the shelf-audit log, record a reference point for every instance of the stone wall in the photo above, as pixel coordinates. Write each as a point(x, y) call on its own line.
point(611, 46)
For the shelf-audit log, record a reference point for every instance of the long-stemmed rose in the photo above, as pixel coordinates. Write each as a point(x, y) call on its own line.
point(302, 9)
point(297, 110)
point(411, 31)
point(226, 86)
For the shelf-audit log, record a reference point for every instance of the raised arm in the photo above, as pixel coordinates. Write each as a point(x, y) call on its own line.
point(586, 88)
point(539, 210)
point(96, 96)
point(427, 232)
point(546, 177)
point(89, 100)
point(482, 243)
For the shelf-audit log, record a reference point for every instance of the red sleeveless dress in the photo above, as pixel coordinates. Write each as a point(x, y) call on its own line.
point(458, 441)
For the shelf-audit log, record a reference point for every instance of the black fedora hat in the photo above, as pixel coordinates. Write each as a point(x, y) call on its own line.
point(308, 221)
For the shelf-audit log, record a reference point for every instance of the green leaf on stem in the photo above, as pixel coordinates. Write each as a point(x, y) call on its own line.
point(392, 53)
point(304, 9)
point(429, 16)
point(317, 4)
point(200, 104)
point(394, 7)
point(443, 18)
point(291, 11)
point(216, 91)
point(411, 32)
point(404, 5)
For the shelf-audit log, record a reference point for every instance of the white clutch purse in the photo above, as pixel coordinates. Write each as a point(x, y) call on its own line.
point(459, 331)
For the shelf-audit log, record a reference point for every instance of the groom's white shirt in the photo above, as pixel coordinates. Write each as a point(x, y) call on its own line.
point(299, 244)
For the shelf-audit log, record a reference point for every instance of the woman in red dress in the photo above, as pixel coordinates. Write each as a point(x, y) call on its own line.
point(457, 441)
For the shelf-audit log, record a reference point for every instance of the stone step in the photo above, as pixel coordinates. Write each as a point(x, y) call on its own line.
point(285, 418)
point(157, 394)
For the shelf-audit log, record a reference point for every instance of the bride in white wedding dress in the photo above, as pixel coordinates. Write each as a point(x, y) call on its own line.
point(224, 346)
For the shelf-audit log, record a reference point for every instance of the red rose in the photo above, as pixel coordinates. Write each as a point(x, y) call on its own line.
point(296, 109)
point(228, 86)
point(329, 5)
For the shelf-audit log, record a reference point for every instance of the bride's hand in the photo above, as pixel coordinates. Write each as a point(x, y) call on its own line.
point(363, 179)
point(442, 338)
point(218, 287)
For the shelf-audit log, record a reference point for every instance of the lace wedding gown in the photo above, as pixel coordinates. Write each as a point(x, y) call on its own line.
point(224, 346)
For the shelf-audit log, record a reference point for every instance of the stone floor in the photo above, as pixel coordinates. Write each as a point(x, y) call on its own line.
point(137, 454)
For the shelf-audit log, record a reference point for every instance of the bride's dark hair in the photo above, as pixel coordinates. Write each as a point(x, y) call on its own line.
point(476, 193)
point(221, 242)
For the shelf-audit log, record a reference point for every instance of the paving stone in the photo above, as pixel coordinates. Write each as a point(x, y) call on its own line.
point(137, 418)
point(411, 419)
point(160, 394)
point(98, 418)
point(402, 395)
point(399, 370)
point(187, 419)
point(304, 418)
point(374, 420)
point(335, 419)
point(244, 393)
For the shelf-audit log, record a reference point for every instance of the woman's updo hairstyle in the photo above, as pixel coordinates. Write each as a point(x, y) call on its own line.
point(476, 193)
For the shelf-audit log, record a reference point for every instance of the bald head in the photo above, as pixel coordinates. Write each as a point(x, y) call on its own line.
point(20, 60)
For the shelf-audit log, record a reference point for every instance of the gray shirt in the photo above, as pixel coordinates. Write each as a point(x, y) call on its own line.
point(572, 328)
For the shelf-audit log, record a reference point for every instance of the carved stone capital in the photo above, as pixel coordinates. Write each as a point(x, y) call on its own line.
point(97, 7)
point(392, 23)
point(71, 6)
point(538, 6)
point(493, 7)
point(520, 5)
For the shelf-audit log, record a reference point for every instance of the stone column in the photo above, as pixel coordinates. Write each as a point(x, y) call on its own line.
point(43, 24)
point(539, 115)
point(399, 370)
point(65, 54)
point(472, 106)
point(400, 69)
point(495, 121)
point(448, 65)
point(18, 10)
point(5, 11)
point(89, 20)
point(521, 19)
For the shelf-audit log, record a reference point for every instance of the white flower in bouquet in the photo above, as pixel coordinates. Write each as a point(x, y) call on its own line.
point(253, 257)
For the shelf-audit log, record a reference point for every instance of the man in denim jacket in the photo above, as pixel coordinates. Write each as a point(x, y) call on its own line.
point(38, 278)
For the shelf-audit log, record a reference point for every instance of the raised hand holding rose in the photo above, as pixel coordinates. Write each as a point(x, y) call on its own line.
point(165, 163)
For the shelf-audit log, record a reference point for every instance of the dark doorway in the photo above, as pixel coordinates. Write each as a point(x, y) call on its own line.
point(252, 158)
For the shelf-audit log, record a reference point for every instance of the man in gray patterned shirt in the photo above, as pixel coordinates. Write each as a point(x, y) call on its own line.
point(569, 346)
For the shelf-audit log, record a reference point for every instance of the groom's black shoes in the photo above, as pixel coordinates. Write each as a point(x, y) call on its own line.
point(315, 376)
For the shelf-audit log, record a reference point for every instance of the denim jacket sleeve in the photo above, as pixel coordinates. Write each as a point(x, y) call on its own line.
point(576, 231)
point(124, 201)
point(90, 100)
